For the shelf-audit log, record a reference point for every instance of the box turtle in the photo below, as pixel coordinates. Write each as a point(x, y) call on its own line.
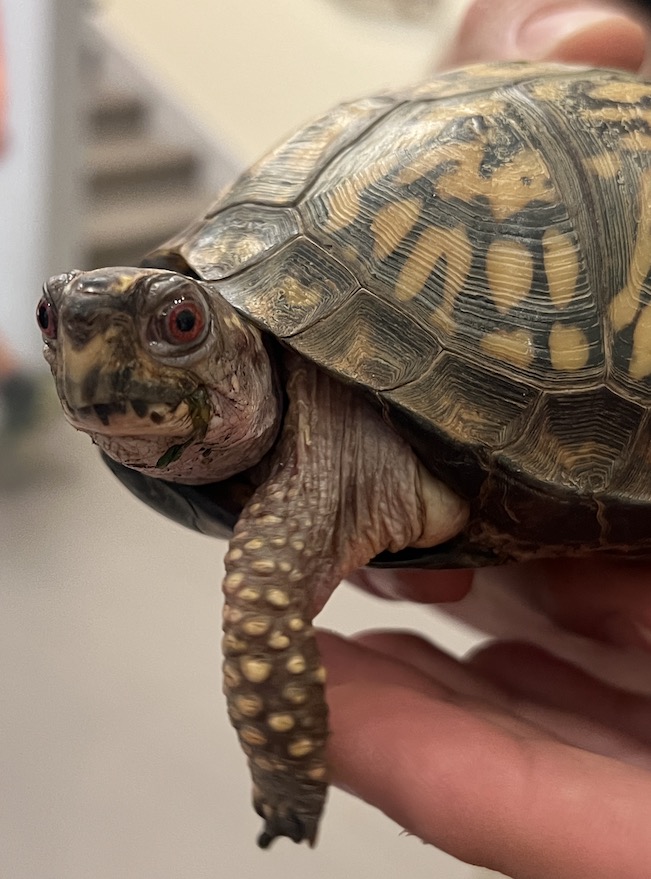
point(416, 333)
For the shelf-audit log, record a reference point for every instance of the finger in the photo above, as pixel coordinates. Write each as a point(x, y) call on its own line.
point(347, 660)
point(525, 670)
point(604, 599)
point(527, 806)
point(583, 31)
point(457, 677)
point(424, 587)
point(516, 709)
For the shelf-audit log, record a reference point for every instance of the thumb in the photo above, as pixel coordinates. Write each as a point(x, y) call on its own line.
point(581, 32)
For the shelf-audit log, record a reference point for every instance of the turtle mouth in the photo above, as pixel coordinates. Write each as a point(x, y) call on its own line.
point(135, 417)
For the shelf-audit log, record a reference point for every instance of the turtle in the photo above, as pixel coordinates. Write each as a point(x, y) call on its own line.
point(415, 334)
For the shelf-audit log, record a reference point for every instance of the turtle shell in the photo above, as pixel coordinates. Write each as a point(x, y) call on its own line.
point(475, 255)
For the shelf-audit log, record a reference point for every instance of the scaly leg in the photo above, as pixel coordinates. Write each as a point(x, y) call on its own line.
point(343, 487)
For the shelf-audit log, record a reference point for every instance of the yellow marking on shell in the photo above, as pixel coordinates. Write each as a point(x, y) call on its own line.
point(628, 93)
point(249, 594)
point(319, 675)
point(297, 544)
point(300, 747)
point(255, 508)
point(508, 189)
point(233, 555)
point(270, 519)
point(297, 295)
point(256, 626)
point(255, 544)
point(278, 641)
point(296, 664)
point(343, 206)
point(296, 576)
point(392, 223)
point(277, 597)
point(640, 364)
point(281, 723)
point(433, 245)
point(622, 113)
point(626, 303)
point(568, 347)
point(252, 736)
point(255, 670)
point(442, 151)
point(263, 763)
point(233, 581)
point(561, 259)
point(511, 346)
point(295, 693)
point(263, 566)
point(605, 165)
point(548, 90)
point(636, 141)
point(626, 115)
point(285, 567)
point(249, 705)
point(296, 624)
point(509, 268)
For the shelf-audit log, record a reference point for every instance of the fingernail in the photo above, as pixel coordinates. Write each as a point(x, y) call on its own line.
point(541, 35)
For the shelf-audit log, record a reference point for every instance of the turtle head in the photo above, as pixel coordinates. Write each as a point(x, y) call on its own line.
point(161, 372)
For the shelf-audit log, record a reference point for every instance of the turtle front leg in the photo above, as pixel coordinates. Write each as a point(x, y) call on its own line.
point(272, 675)
point(342, 487)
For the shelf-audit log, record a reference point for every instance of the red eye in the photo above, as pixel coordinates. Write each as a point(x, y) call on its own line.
point(184, 323)
point(46, 317)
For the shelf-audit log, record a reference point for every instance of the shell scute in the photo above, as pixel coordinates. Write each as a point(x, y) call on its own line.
point(292, 289)
point(281, 176)
point(370, 342)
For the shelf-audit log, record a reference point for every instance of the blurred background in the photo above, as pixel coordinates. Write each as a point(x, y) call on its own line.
point(123, 119)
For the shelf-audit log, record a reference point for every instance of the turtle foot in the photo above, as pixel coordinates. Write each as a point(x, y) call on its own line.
point(286, 825)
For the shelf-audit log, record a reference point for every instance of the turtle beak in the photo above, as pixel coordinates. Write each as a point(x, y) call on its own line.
point(104, 387)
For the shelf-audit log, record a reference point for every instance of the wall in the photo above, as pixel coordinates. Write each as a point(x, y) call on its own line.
point(254, 69)
point(37, 202)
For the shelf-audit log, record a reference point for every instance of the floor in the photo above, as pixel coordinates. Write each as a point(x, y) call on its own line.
point(116, 758)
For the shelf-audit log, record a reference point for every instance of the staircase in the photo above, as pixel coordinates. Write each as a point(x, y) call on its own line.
point(148, 167)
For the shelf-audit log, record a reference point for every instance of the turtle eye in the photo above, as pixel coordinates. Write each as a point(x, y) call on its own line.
point(180, 324)
point(46, 317)
point(184, 323)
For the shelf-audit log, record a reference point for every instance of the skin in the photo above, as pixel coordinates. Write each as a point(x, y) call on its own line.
point(512, 759)
point(166, 378)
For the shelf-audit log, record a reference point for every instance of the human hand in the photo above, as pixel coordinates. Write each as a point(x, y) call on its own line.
point(609, 34)
point(514, 760)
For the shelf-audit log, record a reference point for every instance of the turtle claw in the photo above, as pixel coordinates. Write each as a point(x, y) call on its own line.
point(286, 825)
